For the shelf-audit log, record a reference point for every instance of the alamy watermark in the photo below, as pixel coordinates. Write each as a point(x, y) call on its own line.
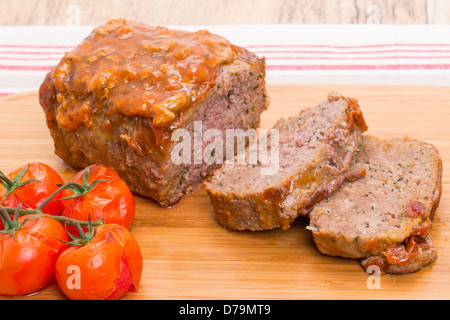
point(373, 14)
point(73, 13)
point(374, 280)
point(74, 279)
point(210, 147)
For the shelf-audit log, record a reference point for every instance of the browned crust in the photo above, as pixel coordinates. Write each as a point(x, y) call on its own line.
point(438, 189)
point(355, 116)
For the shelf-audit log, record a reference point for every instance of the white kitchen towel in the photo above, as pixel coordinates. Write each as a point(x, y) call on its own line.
point(346, 54)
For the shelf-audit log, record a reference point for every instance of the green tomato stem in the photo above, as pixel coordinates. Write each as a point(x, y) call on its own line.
point(62, 219)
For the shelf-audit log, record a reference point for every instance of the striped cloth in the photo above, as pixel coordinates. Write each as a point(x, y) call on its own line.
point(347, 54)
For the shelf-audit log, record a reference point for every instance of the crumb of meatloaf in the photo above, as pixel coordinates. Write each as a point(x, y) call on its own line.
point(395, 201)
point(315, 148)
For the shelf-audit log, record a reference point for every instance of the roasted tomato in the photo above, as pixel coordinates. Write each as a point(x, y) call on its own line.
point(31, 185)
point(103, 194)
point(103, 268)
point(28, 254)
point(405, 253)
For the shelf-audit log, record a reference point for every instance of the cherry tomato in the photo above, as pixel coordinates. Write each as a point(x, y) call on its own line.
point(111, 199)
point(27, 259)
point(32, 194)
point(105, 268)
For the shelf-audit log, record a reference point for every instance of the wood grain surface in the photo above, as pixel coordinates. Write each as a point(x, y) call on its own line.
point(187, 255)
point(206, 12)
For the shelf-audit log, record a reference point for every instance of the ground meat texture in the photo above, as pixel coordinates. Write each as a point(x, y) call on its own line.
point(315, 150)
point(385, 217)
point(117, 98)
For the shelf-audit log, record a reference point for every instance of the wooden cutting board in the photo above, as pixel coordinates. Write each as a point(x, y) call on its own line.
point(187, 255)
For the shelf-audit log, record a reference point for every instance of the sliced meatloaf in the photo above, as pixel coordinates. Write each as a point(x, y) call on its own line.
point(313, 152)
point(121, 94)
point(384, 218)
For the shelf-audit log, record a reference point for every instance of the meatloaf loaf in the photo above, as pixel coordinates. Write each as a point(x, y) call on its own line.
point(119, 96)
point(314, 150)
point(383, 219)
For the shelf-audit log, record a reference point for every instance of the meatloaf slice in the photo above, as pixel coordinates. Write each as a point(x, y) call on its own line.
point(314, 151)
point(384, 218)
point(121, 94)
